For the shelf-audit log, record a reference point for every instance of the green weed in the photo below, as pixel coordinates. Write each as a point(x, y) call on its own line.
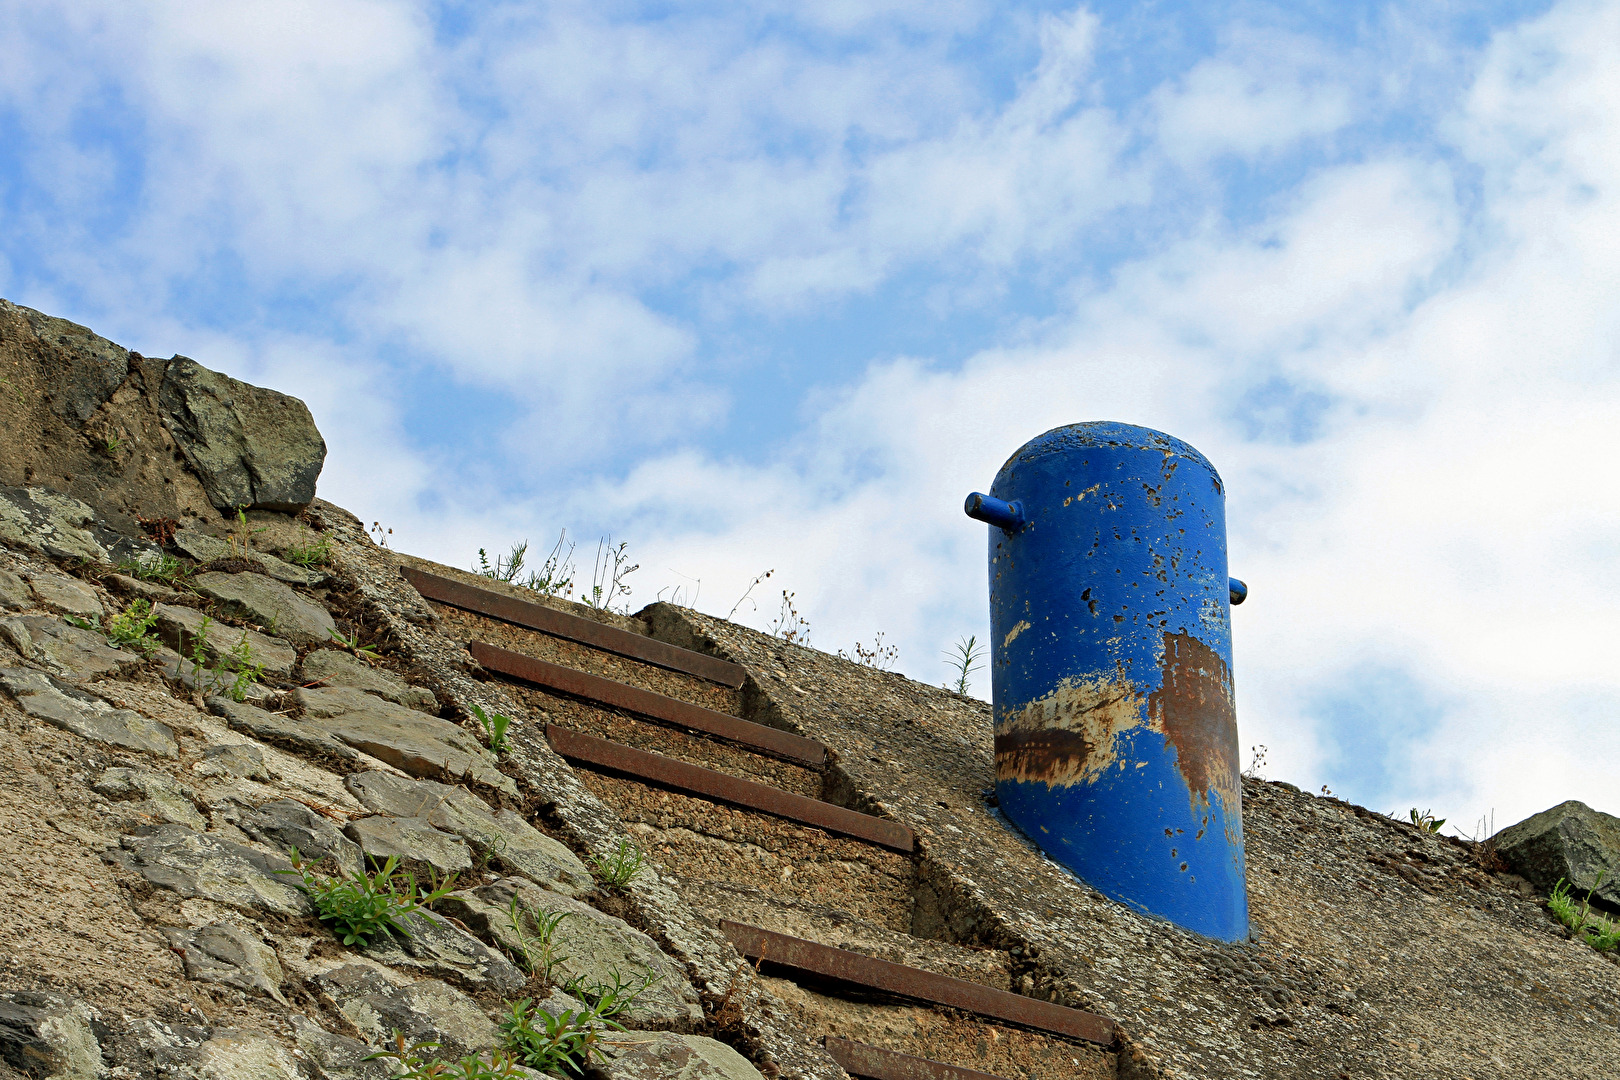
point(1425, 820)
point(494, 729)
point(411, 1063)
point(554, 578)
point(610, 999)
point(351, 643)
point(566, 1042)
point(361, 906)
point(540, 956)
point(1601, 933)
point(108, 447)
point(608, 572)
point(317, 552)
point(963, 659)
point(618, 870)
point(131, 629)
point(165, 569)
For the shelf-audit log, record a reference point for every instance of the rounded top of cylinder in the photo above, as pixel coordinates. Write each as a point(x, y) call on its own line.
point(1106, 434)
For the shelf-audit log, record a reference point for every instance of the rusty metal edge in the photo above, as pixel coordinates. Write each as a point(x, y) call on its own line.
point(697, 780)
point(634, 699)
point(761, 944)
point(586, 632)
point(875, 1063)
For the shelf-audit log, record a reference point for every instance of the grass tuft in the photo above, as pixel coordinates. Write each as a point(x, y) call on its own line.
point(360, 907)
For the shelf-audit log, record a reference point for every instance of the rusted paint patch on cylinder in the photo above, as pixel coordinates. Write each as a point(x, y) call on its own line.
point(1193, 707)
point(1069, 736)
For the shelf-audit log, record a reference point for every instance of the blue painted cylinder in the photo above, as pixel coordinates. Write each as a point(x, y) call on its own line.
point(1116, 735)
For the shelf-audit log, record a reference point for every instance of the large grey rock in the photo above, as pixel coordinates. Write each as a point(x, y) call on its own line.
point(50, 523)
point(1570, 841)
point(241, 1055)
point(48, 1035)
point(280, 730)
point(179, 627)
point(14, 592)
point(665, 1055)
point(515, 844)
point(230, 955)
point(435, 947)
point(243, 761)
point(408, 740)
point(269, 603)
point(285, 824)
point(87, 717)
point(334, 667)
point(160, 795)
point(66, 651)
point(67, 594)
point(251, 447)
point(415, 839)
point(335, 1056)
point(82, 367)
point(197, 864)
point(589, 948)
point(206, 549)
point(425, 1010)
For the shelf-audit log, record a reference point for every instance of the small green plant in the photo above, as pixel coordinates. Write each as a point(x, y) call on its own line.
point(619, 869)
point(963, 659)
point(109, 446)
point(1601, 933)
point(608, 572)
point(1425, 820)
point(247, 670)
point(315, 552)
point(539, 954)
point(879, 656)
point(411, 1063)
point(361, 906)
point(131, 629)
point(351, 643)
point(156, 566)
point(562, 1043)
point(609, 999)
point(494, 729)
point(554, 578)
point(92, 623)
point(239, 537)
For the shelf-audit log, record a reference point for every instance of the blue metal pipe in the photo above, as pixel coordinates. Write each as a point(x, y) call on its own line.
point(1236, 591)
point(1116, 735)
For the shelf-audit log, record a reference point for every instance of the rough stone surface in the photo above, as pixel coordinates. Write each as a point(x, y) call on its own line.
point(251, 447)
point(200, 865)
point(517, 845)
point(206, 549)
point(66, 651)
point(435, 947)
point(161, 796)
point(231, 955)
point(669, 1056)
point(49, 1035)
point(240, 760)
point(334, 667)
point(409, 838)
point(421, 745)
point(142, 590)
point(285, 824)
point(426, 1010)
point(14, 592)
point(88, 717)
point(67, 594)
point(269, 603)
point(178, 628)
point(48, 522)
point(588, 945)
point(336, 1056)
point(1570, 841)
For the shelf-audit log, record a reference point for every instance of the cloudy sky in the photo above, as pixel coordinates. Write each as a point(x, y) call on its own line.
point(771, 286)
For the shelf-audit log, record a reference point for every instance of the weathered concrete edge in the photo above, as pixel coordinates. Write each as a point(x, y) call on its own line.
point(776, 1042)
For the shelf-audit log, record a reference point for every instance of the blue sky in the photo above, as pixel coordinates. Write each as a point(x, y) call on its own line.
point(772, 286)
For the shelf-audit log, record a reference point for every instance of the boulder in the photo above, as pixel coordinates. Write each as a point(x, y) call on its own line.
point(50, 523)
point(286, 824)
point(14, 592)
point(197, 864)
point(251, 447)
point(66, 651)
point(67, 594)
point(206, 549)
point(87, 717)
point(427, 1010)
point(665, 1055)
point(334, 667)
point(160, 795)
point(337, 1057)
point(48, 1035)
point(230, 955)
point(588, 948)
point(435, 947)
point(279, 730)
point(240, 1055)
point(269, 603)
point(243, 761)
point(516, 845)
point(420, 745)
point(1570, 841)
point(178, 627)
point(409, 838)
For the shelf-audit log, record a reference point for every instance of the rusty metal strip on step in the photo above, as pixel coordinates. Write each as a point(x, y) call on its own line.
point(696, 780)
point(875, 1063)
point(585, 631)
point(759, 944)
point(634, 699)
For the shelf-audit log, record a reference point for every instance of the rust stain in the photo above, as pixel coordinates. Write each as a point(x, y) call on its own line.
point(1193, 707)
point(1069, 736)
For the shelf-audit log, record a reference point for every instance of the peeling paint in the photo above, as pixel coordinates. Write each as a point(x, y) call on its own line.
point(1012, 635)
